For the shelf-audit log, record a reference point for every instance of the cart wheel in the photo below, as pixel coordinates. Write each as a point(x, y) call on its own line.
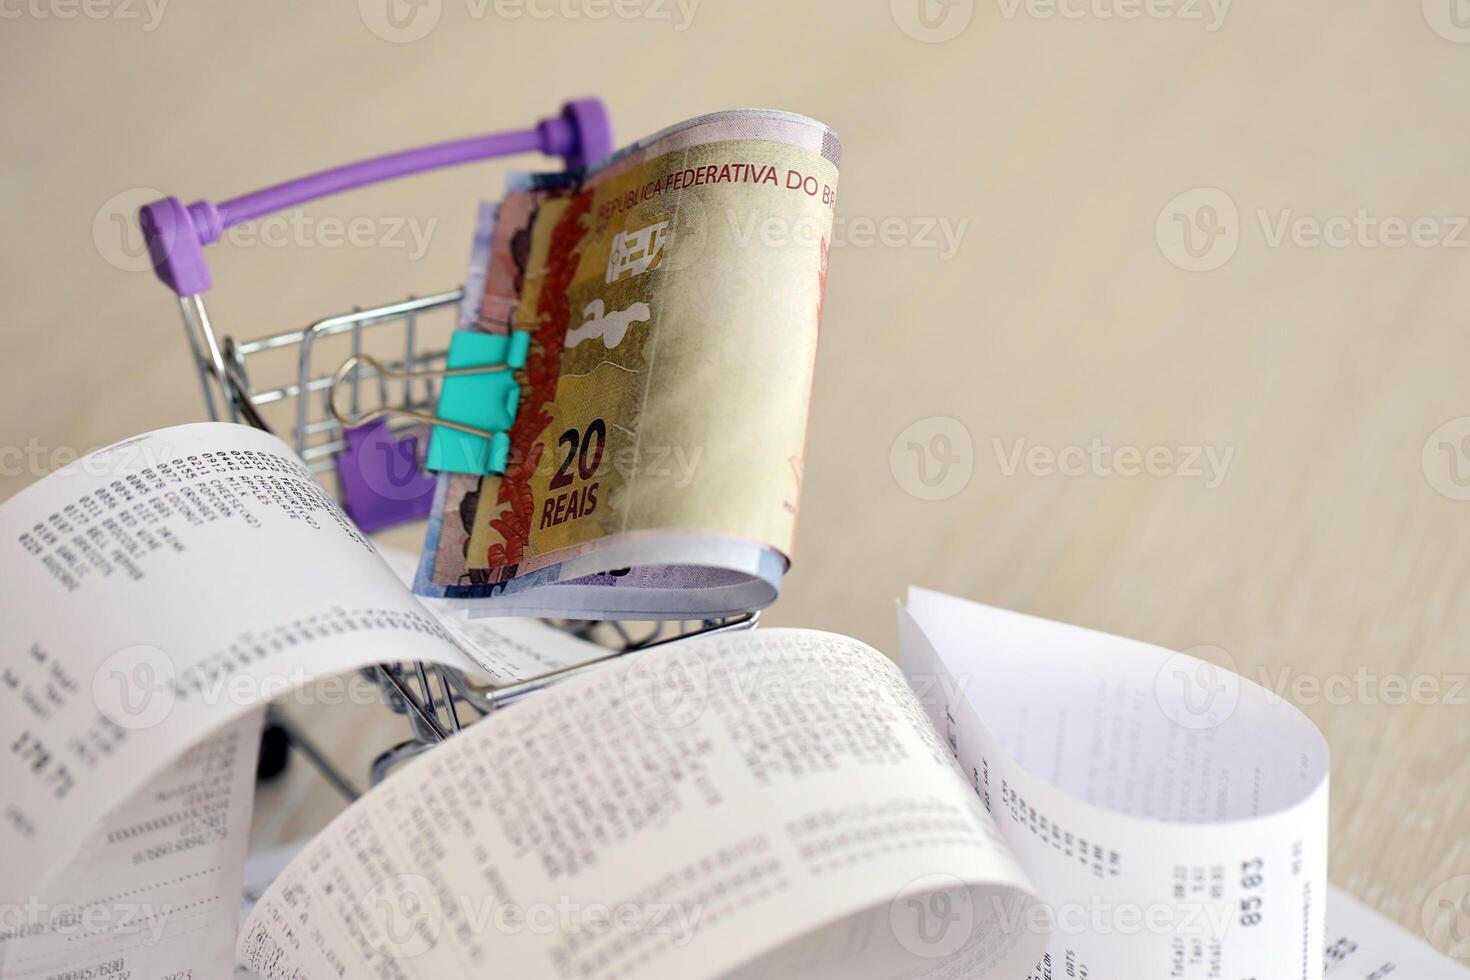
point(275, 753)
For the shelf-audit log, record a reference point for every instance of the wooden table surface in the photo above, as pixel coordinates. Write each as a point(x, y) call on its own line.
point(1169, 309)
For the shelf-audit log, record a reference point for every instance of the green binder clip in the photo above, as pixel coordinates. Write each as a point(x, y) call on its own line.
point(477, 401)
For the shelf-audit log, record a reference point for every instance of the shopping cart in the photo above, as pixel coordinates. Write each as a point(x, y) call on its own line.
point(436, 701)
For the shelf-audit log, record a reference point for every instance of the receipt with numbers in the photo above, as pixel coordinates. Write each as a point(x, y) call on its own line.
point(1024, 800)
point(1171, 816)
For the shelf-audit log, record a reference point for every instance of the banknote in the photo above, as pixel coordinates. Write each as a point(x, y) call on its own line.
point(673, 296)
point(492, 289)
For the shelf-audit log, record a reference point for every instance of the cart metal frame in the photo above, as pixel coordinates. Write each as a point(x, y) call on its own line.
point(436, 701)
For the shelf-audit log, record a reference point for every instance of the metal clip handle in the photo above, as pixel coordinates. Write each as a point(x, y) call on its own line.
point(352, 421)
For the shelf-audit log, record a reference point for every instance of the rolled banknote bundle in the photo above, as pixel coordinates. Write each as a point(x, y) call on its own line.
point(673, 295)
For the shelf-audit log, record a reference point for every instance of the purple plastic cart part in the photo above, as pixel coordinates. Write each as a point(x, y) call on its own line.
point(380, 479)
point(176, 235)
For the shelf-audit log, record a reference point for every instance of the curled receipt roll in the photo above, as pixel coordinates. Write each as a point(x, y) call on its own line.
point(1022, 800)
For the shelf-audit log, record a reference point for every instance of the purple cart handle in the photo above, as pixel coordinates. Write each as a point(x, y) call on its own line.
point(176, 234)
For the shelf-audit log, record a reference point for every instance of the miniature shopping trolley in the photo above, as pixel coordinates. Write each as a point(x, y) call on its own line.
point(409, 338)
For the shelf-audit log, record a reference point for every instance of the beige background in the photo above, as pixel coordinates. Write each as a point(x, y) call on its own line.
point(1332, 545)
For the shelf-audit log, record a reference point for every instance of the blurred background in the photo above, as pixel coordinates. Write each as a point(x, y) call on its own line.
point(1148, 316)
